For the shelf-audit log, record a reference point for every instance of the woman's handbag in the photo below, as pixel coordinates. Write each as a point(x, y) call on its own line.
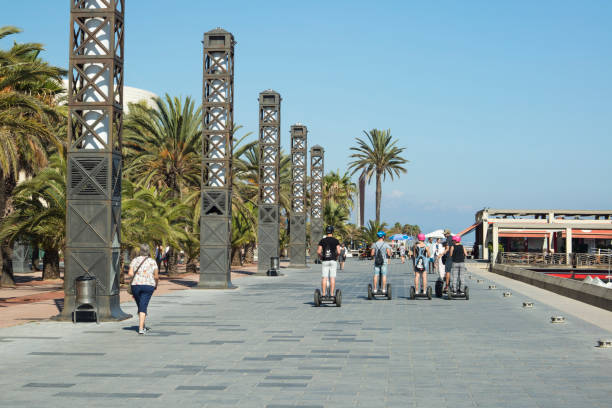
point(129, 288)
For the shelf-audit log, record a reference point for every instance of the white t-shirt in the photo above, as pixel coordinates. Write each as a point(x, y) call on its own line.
point(146, 273)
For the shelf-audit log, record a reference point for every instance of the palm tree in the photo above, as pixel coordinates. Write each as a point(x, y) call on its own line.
point(380, 157)
point(40, 214)
point(369, 232)
point(412, 230)
point(340, 188)
point(153, 216)
point(162, 145)
point(336, 215)
point(29, 118)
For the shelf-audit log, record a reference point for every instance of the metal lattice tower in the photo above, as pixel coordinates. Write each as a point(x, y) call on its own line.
point(217, 130)
point(93, 202)
point(297, 245)
point(317, 157)
point(269, 178)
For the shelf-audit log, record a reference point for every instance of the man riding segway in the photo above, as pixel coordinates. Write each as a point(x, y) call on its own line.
point(328, 251)
point(381, 252)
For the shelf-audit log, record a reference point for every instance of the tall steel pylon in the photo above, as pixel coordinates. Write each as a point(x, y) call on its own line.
point(217, 131)
point(297, 225)
point(317, 158)
point(269, 178)
point(93, 202)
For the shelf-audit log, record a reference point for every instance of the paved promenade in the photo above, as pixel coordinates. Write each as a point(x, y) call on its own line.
point(265, 345)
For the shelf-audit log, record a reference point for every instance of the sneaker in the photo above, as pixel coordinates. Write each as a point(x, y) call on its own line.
point(143, 331)
point(384, 292)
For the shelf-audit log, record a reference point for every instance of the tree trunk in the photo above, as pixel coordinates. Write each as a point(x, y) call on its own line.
point(51, 264)
point(191, 266)
point(378, 196)
point(249, 253)
point(35, 255)
point(235, 256)
point(7, 185)
point(172, 262)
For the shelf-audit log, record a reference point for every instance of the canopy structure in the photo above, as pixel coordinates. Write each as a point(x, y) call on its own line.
point(435, 234)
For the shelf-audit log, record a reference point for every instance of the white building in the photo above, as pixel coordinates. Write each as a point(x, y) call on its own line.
point(130, 95)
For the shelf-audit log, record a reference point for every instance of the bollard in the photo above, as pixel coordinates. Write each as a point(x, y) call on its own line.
point(491, 287)
point(607, 343)
point(507, 294)
point(528, 305)
point(557, 319)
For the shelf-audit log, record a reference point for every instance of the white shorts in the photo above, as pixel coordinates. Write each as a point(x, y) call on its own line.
point(328, 269)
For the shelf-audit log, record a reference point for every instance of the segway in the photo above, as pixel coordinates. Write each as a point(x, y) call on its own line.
point(414, 295)
point(372, 293)
point(460, 294)
point(336, 299)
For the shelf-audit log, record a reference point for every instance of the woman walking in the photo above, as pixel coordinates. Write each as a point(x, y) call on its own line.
point(145, 276)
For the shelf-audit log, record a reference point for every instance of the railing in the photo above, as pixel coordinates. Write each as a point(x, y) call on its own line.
point(593, 259)
point(533, 258)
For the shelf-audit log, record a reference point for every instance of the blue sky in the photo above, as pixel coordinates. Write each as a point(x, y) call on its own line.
point(498, 103)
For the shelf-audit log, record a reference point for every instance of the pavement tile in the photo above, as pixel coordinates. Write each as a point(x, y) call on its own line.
point(240, 348)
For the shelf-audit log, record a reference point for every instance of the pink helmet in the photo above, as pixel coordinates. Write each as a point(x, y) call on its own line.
point(421, 237)
point(457, 238)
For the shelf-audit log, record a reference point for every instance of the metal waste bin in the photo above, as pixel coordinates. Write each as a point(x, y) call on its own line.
point(274, 266)
point(86, 296)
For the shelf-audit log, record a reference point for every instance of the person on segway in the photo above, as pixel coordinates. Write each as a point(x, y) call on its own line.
point(457, 255)
point(328, 251)
point(381, 252)
point(421, 256)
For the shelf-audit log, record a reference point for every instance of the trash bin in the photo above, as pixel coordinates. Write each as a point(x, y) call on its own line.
point(274, 266)
point(86, 297)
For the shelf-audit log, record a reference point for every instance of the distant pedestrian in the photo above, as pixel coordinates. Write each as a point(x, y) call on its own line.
point(437, 255)
point(342, 256)
point(159, 255)
point(403, 253)
point(145, 277)
point(430, 261)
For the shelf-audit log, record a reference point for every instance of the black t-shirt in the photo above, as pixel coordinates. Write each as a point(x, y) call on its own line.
point(330, 248)
point(458, 254)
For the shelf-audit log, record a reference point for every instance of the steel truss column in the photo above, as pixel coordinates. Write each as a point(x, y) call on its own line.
point(93, 202)
point(317, 157)
point(297, 245)
point(217, 131)
point(269, 178)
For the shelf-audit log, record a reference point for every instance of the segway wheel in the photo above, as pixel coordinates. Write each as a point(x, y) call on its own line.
point(317, 298)
point(389, 291)
point(370, 296)
point(338, 297)
point(429, 292)
point(412, 293)
point(467, 293)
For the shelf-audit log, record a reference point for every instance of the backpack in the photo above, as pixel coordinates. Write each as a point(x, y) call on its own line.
point(379, 259)
point(328, 255)
point(420, 259)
